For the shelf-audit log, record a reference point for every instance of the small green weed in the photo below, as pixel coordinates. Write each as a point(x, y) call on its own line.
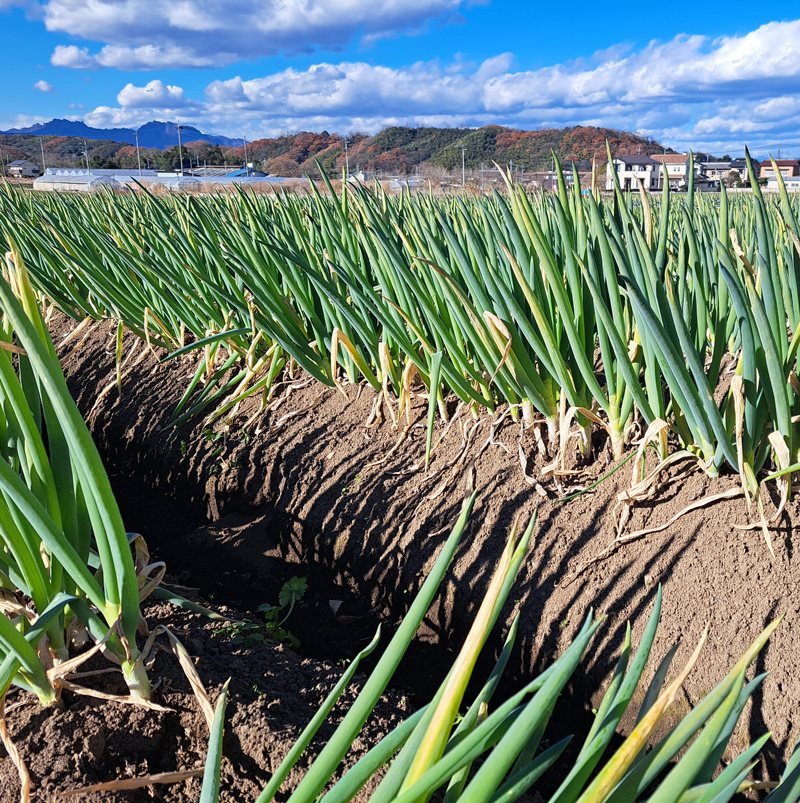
point(209, 436)
point(270, 630)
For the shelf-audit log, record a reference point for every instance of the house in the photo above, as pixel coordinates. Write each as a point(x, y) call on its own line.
point(22, 168)
point(675, 166)
point(716, 171)
point(787, 167)
point(361, 177)
point(739, 171)
point(631, 168)
point(792, 183)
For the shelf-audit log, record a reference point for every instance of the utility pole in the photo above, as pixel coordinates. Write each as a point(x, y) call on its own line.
point(86, 154)
point(138, 157)
point(463, 172)
point(180, 147)
point(346, 160)
point(44, 166)
point(481, 176)
point(246, 168)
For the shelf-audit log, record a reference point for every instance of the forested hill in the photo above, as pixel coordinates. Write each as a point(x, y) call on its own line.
point(396, 150)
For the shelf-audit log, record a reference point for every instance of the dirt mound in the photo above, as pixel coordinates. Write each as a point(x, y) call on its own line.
point(309, 490)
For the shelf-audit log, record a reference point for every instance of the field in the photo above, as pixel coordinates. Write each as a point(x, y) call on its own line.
point(310, 387)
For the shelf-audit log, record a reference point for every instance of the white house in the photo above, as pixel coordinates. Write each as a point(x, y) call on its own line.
point(361, 177)
point(629, 168)
point(792, 183)
point(22, 168)
point(676, 167)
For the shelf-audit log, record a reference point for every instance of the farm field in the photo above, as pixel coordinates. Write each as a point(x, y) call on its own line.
point(284, 387)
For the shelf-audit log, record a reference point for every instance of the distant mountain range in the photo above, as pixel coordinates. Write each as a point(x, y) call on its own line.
point(154, 134)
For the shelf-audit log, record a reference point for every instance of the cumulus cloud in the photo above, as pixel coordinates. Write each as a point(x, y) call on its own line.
point(140, 35)
point(156, 95)
point(43, 86)
point(687, 92)
point(139, 104)
point(73, 57)
point(110, 117)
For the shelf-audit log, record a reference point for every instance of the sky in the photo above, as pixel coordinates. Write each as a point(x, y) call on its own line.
point(710, 78)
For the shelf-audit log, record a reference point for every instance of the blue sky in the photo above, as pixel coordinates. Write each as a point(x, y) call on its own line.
point(710, 76)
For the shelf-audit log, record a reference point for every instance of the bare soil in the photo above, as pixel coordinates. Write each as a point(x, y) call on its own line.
point(307, 490)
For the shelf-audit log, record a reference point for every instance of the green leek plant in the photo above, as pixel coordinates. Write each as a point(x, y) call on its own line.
point(58, 514)
point(497, 753)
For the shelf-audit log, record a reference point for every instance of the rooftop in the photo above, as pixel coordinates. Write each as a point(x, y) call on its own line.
point(671, 158)
point(636, 159)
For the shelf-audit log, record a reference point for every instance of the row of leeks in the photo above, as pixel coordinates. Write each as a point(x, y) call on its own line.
point(67, 569)
point(622, 314)
point(498, 752)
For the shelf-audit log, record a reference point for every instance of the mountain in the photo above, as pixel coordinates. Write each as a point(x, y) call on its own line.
point(398, 150)
point(401, 150)
point(154, 134)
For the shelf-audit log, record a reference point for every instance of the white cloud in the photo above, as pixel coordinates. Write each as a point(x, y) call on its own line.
point(155, 95)
point(43, 86)
point(20, 120)
point(73, 57)
point(141, 35)
point(688, 92)
point(109, 117)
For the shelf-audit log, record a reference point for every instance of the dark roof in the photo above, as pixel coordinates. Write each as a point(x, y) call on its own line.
point(637, 159)
point(20, 162)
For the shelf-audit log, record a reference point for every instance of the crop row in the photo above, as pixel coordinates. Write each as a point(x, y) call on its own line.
point(560, 306)
point(620, 315)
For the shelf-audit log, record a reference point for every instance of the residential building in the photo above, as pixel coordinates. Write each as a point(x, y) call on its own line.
point(675, 167)
point(716, 171)
point(739, 169)
point(22, 168)
point(787, 167)
point(631, 168)
point(792, 183)
point(361, 177)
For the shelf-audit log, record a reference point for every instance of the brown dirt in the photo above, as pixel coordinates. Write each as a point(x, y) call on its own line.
point(237, 515)
point(272, 696)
